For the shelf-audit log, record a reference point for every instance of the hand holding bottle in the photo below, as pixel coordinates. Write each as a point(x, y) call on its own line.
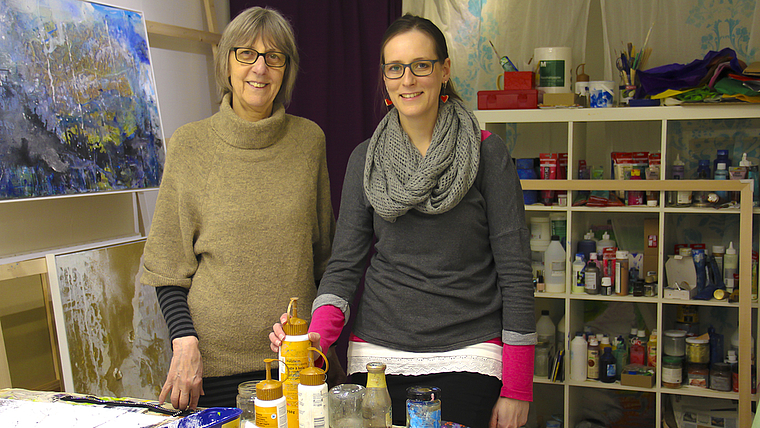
point(278, 335)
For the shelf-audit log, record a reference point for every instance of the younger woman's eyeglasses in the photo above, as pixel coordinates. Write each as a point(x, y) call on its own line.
point(421, 68)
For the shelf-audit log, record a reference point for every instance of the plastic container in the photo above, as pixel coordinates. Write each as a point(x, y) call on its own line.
point(213, 417)
point(606, 286)
point(313, 410)
point(540, 233)
point(652, 349)
point(270, 403)
point(719, 251)
point(593, 276)
point(554, 266)
point(621, 273)
point(578, 358)
point(607, 368)
point(546, 330)
point(294, 353)
point(721, 173)
point(593, 359)
point(674, 343)
point(579, 278)
point(605, 242)
point(423, 407)
point(682, 197)
point(730, 267)
point(587, 246)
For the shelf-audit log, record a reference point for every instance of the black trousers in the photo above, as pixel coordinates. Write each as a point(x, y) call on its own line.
point(222, 391)
point(466, 398)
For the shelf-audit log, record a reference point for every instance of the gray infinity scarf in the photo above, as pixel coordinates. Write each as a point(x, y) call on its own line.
point(398, 178)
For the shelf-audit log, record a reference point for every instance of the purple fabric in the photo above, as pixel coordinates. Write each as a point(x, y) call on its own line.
point(337, 87)
point(680, 76)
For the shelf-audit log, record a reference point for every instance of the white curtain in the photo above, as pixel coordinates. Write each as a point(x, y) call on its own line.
point(515, 27)
point(683, 30)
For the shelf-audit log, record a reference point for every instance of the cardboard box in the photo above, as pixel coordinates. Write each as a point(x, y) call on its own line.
point(511, 99)
point(638, 380)
point(671, 293)
point(518, 80)
point(651, 249)
point(559, 99)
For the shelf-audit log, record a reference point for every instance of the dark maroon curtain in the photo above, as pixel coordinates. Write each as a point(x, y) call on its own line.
point(339, 43)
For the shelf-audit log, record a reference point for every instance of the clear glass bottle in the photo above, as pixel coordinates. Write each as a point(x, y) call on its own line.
point(376, 408)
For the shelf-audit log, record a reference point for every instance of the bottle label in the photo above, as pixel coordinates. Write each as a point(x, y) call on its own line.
point(671, 375)
point(611, 373)
point(271, 417)
point(593, 364)
point(312, 409)
point(296, 356)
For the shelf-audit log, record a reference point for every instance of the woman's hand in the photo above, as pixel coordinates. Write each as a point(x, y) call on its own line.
point(184, 383)
point(278, 335)
point(509, 413)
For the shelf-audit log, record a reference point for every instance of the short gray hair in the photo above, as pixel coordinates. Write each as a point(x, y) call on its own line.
point(249, 25)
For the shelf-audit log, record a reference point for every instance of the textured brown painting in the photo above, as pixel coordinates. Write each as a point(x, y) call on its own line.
point(115, 336)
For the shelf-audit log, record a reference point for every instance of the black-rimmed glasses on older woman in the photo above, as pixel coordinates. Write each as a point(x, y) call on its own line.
point(250, 56)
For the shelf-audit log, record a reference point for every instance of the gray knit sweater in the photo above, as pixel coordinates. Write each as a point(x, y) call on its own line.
point(244, 220)
point(437, 282)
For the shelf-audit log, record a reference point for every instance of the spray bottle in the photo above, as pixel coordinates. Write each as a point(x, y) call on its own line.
point(269, 402)
point(312, 395)
point(295, 354)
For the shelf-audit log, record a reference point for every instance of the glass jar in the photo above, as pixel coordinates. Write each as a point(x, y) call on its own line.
point(720, 377)
point(674, 343)
point(697, 374)
point(697, 350)
point(672, 371)
point(423, 407)
point(245, 397)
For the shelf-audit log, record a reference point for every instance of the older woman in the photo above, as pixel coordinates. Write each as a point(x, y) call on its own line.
point(243, 219)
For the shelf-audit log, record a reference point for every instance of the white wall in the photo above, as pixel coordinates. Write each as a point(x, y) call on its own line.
point(186, 92)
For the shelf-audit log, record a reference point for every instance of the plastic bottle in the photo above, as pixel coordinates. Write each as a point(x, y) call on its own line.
point(295, 354)
point(703, 173)
point(620, 352)
point(561, 336)
point(721, 174)
point(730, 267)
point(579, 278)
point(605, 242)
point(587, 245)
point(604, 343)
point(621, 273)
point(632, 337)
point(376, 407)
point(578, 358)
point(554, 266)
point(652, 349)
point(638, 352)
point(593, 359)
point(607, 367)
point(734, 363)
point(752, 174)
point(606, 286)
point(718, 251)
point(683, 197)
point(312, 395)
point(593, 276)
point(271, 407)
point(546, 330)
point(721, 157)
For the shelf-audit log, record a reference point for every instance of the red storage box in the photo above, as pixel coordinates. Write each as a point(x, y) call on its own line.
point(511, 99)
point(517, 80)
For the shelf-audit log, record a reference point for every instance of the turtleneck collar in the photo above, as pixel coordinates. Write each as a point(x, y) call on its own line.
point(238, 132)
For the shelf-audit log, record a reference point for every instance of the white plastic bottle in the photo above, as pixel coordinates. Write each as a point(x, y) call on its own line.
point(554, 266)
point(271, 409)
point(578, 358)
point(605, 242)
point(312, 395)
point(730, 267)
point(546, 330)
point(579, 278)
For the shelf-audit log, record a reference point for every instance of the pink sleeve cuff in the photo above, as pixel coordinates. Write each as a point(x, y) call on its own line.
point(517, 371)
point(328, 321)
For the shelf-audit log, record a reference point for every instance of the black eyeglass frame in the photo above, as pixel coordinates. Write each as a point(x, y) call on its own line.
point(409, 66)
point(258, 54)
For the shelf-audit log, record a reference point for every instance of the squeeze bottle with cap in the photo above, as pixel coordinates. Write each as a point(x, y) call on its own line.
point(579, 278)
point(295, 354)
point(605, 242)
point(554, 266)
point(730, 267)
point(312, 395)
point(269, 402)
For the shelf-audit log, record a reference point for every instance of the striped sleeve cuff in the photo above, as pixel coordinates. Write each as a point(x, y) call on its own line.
point(173, 302)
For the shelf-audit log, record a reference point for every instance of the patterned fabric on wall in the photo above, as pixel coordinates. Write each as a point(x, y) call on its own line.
point(516, 28)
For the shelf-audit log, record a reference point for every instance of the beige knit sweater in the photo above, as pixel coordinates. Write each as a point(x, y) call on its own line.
point(243, 219)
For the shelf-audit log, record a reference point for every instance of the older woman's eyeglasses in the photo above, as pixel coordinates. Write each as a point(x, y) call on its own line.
point(250, 56)
point(421, 68)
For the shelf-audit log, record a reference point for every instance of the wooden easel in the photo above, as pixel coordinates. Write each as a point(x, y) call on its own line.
point(211, 36)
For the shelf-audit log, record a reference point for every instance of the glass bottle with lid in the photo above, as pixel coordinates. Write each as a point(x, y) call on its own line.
point(423, 407)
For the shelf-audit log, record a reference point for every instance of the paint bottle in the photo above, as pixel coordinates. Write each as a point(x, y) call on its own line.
point(721, 157)
point(579, 278)
point(682, 197)
point(578, 358)
point(593, 276)
point(607, 367)
point(554, 266)
point(295, 354)
point(376, 407)
point(718, 252)
point(722, 174)
point(606, 289)
point(652, 349)
point(605, 242)
point(593, 359)
point(621, 273)
point(312, 394)
point(752, 174)
point(620, 352)
point(270, 404)
point(730, 267)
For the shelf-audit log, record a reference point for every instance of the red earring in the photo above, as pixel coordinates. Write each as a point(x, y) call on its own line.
point(444, 98)
point(388, 102)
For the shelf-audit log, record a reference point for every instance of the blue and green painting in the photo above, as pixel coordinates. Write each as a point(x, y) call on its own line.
point(78, 105)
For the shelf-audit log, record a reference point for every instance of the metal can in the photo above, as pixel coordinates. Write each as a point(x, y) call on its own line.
point(423, 407)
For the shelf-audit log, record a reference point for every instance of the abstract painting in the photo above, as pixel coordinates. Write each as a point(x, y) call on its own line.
point(113, 338)
point(78, 105)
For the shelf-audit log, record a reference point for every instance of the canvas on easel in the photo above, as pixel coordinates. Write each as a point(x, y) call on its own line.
point(79, 109)
point(112, 336)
